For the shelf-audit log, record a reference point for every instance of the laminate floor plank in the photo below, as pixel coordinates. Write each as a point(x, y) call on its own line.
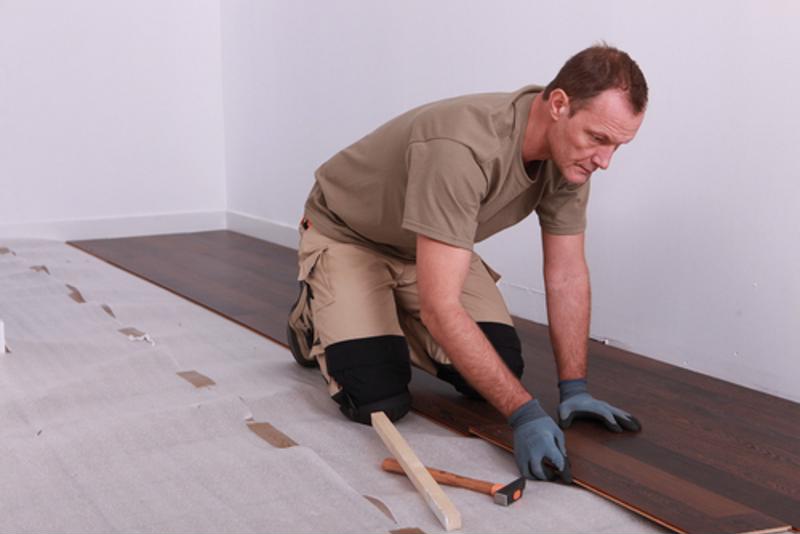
point(633, 476)
point(713, 456)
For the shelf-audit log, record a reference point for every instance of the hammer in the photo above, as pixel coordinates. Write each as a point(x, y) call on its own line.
point(503, 495)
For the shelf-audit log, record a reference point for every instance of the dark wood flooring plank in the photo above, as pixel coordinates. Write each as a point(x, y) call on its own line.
point(734, 450)
point(633, 477)
point(208, 268)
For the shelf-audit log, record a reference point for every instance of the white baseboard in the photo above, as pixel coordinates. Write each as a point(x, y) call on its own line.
point(523, 301)
point(260, 228)
point(110, 227)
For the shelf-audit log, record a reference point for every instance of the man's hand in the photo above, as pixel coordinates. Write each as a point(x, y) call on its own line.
point(577, 403)
point(539, 447)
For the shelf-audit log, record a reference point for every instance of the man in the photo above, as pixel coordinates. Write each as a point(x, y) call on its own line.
point(387, 271)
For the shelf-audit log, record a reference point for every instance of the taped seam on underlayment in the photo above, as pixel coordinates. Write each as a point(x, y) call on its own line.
point(3, 346)
point(380, 505)
point(134, 334)
point(196, 379)
point(271, 435)
point(75, 294)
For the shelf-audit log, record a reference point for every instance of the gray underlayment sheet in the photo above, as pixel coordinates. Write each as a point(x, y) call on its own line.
point(99, 433)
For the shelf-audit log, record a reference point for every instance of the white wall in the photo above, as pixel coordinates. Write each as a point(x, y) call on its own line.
point(694, 231)
point(110, 117)
point(111, 123)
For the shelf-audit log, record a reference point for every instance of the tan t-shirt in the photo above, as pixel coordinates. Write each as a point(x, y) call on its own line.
point(451, 170)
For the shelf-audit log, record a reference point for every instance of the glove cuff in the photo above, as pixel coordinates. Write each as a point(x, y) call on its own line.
point(530, 411)
point(570, 388)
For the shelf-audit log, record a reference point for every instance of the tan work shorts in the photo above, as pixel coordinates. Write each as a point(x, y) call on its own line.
point(360, 293)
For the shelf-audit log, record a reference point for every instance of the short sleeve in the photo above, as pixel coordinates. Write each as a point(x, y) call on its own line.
point(444, 192)
point(562, 210)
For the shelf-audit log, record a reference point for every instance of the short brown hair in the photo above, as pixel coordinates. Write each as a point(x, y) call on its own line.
point(596, 69)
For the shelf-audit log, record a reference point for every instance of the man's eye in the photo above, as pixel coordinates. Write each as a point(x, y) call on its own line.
point(597, 138)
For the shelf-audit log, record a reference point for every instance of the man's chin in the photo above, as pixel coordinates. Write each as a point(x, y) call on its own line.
point(577, 177)
point(574, 175)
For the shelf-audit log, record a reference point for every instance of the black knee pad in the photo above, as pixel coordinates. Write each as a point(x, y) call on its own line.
point(449, 374)
point(373, 373)
point(505, 341)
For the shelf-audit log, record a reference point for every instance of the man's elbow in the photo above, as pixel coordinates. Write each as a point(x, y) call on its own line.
point(560, 279)
point(435, 314)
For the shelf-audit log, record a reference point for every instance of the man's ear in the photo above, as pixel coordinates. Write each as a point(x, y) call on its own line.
point(558, 104)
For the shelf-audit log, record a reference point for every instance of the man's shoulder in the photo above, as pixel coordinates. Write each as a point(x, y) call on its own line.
point(473, 119)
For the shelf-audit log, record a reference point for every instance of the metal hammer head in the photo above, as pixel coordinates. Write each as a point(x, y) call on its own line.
point(509, 493)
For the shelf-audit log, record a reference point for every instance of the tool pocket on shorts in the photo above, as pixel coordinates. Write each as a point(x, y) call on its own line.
point(312, 272)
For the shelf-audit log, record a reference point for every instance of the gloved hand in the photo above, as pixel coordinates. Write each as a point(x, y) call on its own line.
point(577, 403)
point(538, 444)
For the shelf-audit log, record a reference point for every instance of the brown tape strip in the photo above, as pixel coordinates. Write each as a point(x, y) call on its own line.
point(413, 530)
point(196, 379)
point(40, 269)
point(76, 295)
point(380, 505)
point(107, 309)
point(131, 332)
point(271, 435)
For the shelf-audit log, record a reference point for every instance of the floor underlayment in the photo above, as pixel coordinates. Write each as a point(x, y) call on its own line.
point(102, 434)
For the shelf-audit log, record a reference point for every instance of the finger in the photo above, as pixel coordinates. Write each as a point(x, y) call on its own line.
point(626, 420)
point(629, 422)
point(609, 420)
point(537, 470)
point(565, 422)
point(550, 472)
point(562, 445)
point(604, 416)
point(554, 455)
point(525, 469)
point(566, 473)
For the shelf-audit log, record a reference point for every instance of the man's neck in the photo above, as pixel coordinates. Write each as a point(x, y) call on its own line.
point(534, 144)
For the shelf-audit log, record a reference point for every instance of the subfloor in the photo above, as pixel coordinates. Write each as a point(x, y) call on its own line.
point(101, 434)
point(712, 456)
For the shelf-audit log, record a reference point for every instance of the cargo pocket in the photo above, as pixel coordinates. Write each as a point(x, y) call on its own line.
point(312, 272)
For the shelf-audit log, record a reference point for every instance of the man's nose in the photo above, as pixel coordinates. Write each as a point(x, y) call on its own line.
point(602, 158)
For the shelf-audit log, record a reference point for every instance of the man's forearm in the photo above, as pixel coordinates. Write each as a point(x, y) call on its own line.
point(568, 312)
point(476, 359)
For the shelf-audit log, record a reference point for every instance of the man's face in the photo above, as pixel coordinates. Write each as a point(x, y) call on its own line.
point(587, 140)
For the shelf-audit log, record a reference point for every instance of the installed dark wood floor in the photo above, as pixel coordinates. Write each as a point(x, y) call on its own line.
point(713, 456)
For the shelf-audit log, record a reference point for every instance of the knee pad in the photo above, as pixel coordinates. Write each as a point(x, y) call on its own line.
point(505, 341)
point(373, 373)
point(448, 373)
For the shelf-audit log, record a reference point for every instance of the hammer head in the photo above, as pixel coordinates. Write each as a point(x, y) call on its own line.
point(510, 492)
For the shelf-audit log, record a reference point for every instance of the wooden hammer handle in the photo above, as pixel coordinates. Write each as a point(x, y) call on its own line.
point(445, 477)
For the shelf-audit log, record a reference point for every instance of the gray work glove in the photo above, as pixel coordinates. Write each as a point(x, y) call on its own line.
point(538, 444)
point(577, 403)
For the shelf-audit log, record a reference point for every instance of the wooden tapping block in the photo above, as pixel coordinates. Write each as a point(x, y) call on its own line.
point(439, 503)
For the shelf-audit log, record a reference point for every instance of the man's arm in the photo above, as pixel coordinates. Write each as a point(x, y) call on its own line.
point(441, 272)
point(566, 277)
point(566, 280)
